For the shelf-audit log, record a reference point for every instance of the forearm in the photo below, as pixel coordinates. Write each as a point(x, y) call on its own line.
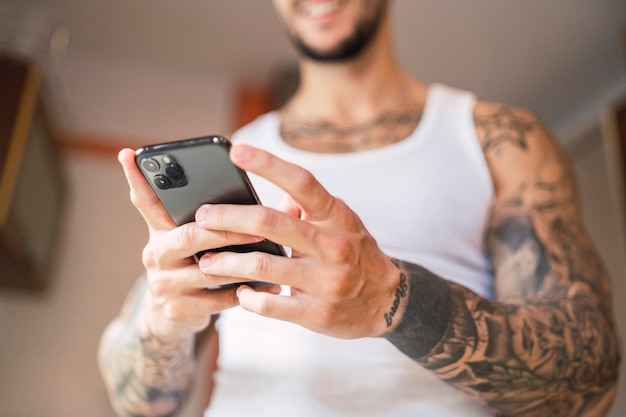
point(522, 358)
point(144, 376)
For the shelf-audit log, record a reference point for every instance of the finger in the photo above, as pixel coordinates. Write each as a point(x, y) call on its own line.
point(274, 306)
point(201, 304)
point(204, 303)
point(190, 238)
point(167, 284)
point(256, 220)
point(142, 195)
point(259, 266)
point(305, 190)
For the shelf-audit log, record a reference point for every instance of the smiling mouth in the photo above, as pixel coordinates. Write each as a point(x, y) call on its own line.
point(318, 9)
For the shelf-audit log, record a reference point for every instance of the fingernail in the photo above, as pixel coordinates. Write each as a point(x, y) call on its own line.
point(241, 152)
point(201, 213)
point(242, 289)
point(204, 261)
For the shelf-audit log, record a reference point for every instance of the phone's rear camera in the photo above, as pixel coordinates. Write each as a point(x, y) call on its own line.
point(150, 164)
point(162, 182)
point(173, 171)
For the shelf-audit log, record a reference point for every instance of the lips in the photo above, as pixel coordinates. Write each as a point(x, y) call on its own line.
point(317, 9)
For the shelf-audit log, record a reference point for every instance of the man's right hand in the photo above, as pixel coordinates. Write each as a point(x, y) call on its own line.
point(177, 303)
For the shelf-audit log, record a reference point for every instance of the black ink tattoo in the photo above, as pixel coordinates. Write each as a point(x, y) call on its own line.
point(391, 120)
point(503, 126)
point(326, 137)
point(426, 315)
point(140, 371)
point(151, 385)
point(400, 293)
point(548, 345)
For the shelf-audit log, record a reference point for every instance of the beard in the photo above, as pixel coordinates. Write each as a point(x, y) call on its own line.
point(362, 35)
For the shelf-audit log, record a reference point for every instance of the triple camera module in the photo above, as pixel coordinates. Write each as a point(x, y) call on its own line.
point(167, 172)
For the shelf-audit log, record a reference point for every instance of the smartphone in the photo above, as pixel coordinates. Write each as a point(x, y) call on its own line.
point(186, 174)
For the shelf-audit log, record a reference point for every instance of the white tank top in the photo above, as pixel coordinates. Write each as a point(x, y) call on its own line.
point(426, 200)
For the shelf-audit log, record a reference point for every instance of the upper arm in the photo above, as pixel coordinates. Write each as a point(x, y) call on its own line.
point(536, 240)
point(548, 276)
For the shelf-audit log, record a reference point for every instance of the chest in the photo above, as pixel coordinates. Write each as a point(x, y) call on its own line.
point(431, 197)
point(328, 137)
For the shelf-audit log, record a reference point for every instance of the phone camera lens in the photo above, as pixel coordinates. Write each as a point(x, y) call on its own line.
point(162, 182)
point(173, 171)
point(150, 164)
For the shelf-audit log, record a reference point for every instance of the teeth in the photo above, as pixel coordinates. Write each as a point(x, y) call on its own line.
point(320, 9)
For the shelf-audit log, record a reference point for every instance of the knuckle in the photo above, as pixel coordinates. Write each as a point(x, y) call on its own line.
point(305, 181)
point(186, 237)
point(340, 249)
point(343, 284)
point(260, 266)
point(149, 257)
point(153, 253)
point(338, 285)
point(174, 311)
point(160, 288)
point(265, 219)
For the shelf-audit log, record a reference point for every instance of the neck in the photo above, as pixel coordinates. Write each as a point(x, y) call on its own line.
point(352, 92)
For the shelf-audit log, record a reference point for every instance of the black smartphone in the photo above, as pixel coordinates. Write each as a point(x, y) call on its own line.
point(186, 174)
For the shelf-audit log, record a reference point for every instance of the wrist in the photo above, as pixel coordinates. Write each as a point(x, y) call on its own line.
point(395, 299)
point(426, 314)
point(153, 324)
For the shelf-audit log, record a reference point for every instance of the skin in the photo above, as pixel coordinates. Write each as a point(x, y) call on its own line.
point(545, 346)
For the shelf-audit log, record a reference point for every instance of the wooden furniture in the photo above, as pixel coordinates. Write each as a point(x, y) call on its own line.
point(31, 186)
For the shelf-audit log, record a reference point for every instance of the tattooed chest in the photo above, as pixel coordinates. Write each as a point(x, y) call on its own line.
point(326, 137)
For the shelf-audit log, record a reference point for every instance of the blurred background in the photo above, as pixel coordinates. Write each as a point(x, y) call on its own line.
point(122, 73)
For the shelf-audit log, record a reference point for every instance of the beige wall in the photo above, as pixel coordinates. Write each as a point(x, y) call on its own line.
point(48, 343)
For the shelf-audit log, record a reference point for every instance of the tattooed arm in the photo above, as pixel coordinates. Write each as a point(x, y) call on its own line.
point(547, 346)
point(147, 352)
point(145, 376)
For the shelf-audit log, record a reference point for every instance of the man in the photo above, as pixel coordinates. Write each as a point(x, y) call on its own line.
point(441, 269)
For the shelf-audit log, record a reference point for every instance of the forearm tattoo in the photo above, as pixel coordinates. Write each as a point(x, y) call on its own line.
point(146, 376)
point(547, 346)
point(153, 374)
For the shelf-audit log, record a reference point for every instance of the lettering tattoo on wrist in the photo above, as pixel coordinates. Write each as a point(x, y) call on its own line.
point(427, 313)
point(401, 292)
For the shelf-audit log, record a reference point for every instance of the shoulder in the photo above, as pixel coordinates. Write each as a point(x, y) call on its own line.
point(500, 124)
point(518, 146)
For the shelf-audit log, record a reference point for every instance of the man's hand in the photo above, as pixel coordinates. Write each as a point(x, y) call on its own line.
point(342, 284)
point(177, 303)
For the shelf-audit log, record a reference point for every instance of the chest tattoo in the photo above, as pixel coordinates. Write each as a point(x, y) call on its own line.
point(327, 137)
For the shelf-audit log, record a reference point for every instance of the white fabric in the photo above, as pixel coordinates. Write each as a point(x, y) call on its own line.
point(426, 200)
